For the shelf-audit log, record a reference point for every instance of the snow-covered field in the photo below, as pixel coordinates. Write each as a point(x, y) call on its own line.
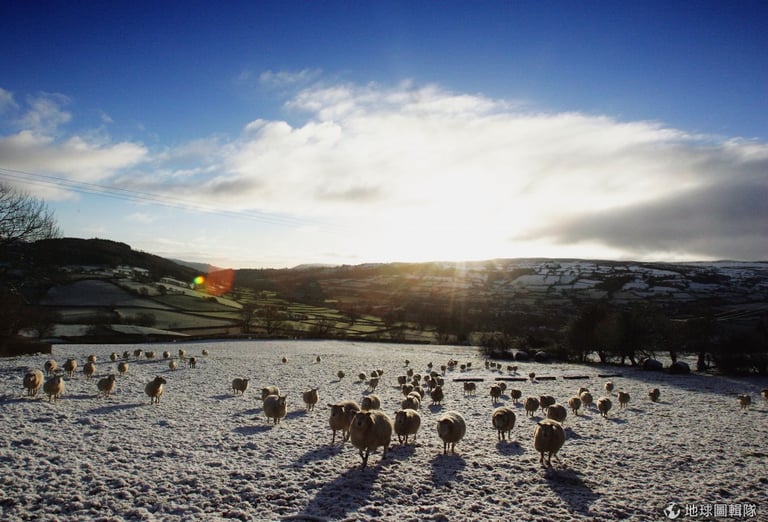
point(205, 454)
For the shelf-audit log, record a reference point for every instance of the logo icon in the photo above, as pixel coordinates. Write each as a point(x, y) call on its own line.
point(673, 511)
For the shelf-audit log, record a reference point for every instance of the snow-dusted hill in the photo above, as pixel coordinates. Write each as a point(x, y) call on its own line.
point(204, 454)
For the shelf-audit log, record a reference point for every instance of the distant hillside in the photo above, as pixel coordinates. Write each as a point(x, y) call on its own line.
point(91, 252)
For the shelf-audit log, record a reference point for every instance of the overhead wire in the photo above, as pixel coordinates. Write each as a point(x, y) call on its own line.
point(83, 187)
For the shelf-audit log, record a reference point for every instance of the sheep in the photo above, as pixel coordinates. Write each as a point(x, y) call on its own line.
point(182, 354)
point(154, 389)
point(70, 365)
point(172, 364)
point(361, 376)
point(495, 393)
point(192, 362)
point(586, 399)
point(150, 354)
point(239, 385)
point(582, 389)
point(470, 388)
point(654, 394)
point(515, 394)
point(412, 402)
point(437, 395)
point(371, 402)
point(341, 417)
point(122, 367)
point(764, 393)
point(126, 354)
point(406, 389)
point(368, 431)
point(269, 390)
point(419, 392)
point(138, 353)
point(451, 428)
point(503, 419)
point(114, 356)
point(310, 398)
point(106, 385)
point(92, 358)
point(50, 367)
point(531, 405)
point(285, 360)
point(545, 401)
point(373, 383)
point(33, 380)
point(275, 407)
point(166, 354)
point(532, 376)
point(574, 403)
point(502, 385)
point(318, 359)
point(205, 353)
point(54, 387)
point(340, 374)
point(557, 412)
point(407, 362)
point(401, 380)
point(623, 399)
point(407, 422)
point(548, 437)
point(89, 370)
point(604, 406)
point(744, 401)
point(609, 387)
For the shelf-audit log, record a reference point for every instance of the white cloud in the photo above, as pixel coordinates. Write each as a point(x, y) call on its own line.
point(6, 100)
point(284, 78)
point(45, 114)
point(140, 217)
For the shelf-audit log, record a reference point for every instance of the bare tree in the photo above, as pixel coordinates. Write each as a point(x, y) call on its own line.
point(24, 217)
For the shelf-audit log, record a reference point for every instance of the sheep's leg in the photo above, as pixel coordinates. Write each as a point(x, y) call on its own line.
point(364, 456)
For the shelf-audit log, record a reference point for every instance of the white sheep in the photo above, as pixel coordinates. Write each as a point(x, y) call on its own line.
point(574, 403)
point(275, 407)
point(269, 390)
point(54, 387)
point(437, 395)
point(548, 437)
point(50, 367)
point(451, 428)
point(138, 352)
point(166, 354)
point(368, 431)
point(154, 389)
point(604, 406)
point(114, 356)
point(106, 385)
point(744, 401)
point(172, 364)
point(70, 365)
point(122, 367)
point(495, 393)
point(531, 405)
point(654, 394)
point(89, 370)
point(239, 384)
point(586, 399)
point(341, 417)
point(412, 402)
point(407, 422)
point(310, 398)
point(182, 354)
point(470, 388)
point(91, 358)
point(205, 352)
point(33, 380)
point(503, 419)
point(623, 399)
point(370, 402)
point(557, 412)
point(545, 401)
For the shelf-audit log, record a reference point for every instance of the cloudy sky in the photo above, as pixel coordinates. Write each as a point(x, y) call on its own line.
point(270, 134)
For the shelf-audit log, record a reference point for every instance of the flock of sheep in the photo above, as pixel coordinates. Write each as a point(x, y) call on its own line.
point(364, 423)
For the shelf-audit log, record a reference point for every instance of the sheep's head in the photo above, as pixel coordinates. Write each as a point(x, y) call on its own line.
point(362, 419)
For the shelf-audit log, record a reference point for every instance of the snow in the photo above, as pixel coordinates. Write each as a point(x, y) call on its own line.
point(205, 454)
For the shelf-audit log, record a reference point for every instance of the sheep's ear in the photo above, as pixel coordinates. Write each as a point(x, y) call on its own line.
point(539, 423)
point(330, 405)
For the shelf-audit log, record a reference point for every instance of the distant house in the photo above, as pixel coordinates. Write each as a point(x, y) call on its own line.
point(175, 282)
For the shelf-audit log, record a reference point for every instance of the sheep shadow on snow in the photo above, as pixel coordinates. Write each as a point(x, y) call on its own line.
point(112, 408)
point(509, 448)
point(569, 486)
point(344, 495)
point(252, 430)
point(320, 453)
point(445, 468)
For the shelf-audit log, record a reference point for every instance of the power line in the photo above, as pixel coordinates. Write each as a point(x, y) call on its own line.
point(47, 180)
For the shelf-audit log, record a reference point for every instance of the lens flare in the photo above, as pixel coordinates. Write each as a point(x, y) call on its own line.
point(199, 280)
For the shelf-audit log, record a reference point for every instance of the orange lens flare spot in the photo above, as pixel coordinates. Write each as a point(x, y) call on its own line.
point(199, 280)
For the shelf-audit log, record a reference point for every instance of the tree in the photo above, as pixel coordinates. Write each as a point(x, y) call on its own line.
point(24, 218)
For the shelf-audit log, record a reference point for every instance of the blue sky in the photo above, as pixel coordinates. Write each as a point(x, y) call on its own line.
point(269, 134)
